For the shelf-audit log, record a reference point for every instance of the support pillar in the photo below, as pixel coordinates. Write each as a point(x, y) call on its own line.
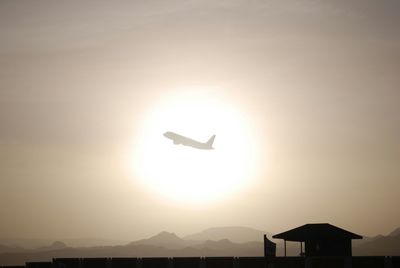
point(301, 248)
point(284, 242)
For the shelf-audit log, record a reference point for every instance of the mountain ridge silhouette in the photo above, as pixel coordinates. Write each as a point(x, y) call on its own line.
point(395, 232)
point(238, 234)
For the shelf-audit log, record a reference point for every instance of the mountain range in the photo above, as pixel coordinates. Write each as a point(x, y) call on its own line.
point(237, 234)
point(220, 241)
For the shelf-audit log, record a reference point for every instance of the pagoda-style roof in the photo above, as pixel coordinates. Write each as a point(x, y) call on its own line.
point(316, 231)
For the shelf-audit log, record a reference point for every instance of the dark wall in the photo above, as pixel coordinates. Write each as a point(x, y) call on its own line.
point(186, 262)
point(155, 262)
point(221, 262)
point(124, 262)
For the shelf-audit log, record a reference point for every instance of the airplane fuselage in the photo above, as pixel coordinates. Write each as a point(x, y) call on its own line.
point(179, 139)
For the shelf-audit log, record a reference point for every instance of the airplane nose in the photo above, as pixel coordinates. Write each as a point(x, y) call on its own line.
point(167, 135)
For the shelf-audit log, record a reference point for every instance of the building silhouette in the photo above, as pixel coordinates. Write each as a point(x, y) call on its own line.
point(321, 239)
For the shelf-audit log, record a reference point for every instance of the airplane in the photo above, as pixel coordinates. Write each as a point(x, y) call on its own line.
point(179, 139)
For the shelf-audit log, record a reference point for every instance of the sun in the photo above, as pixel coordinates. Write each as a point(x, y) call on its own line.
point(185, 173)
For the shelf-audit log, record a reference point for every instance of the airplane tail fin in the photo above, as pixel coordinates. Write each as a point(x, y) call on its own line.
point(211, 141)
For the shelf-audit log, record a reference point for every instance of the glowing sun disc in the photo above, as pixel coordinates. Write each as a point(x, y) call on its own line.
point(186, 173)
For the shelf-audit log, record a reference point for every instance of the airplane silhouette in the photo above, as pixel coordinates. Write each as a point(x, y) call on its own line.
point(179, 139)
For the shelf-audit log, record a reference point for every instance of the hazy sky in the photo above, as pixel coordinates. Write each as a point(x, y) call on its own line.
point(319, 81)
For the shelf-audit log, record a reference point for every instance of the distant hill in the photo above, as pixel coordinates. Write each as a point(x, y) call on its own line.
point(24, 243)
point(93, 242)
point(6, 249)
point(77, 242)
point(54, 246)
point(166, 240)
point(235, 234)
point(395, 232)
point(366, 239)
point(379, 245)
point(227, 248)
